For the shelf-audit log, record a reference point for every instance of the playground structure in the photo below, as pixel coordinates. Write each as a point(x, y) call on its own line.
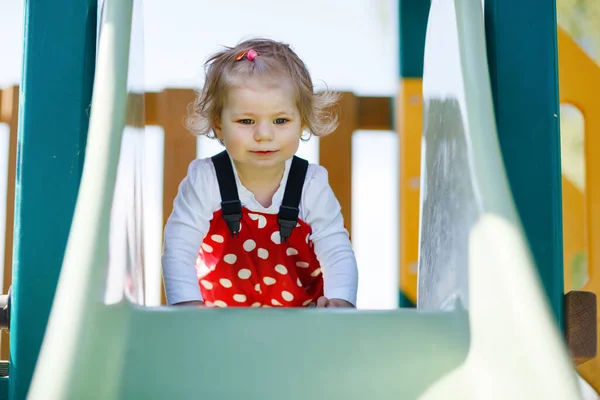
point(448, 329)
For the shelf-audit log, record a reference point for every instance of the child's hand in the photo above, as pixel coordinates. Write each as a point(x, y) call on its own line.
point(336, 303)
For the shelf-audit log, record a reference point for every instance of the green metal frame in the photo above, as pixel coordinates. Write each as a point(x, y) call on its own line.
point(523, 62)
point(56, 88)
point(412, 25)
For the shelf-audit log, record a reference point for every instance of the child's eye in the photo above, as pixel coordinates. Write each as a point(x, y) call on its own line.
point(281, 120)
point(245, 121)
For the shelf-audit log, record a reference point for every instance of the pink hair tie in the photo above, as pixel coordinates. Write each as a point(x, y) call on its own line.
point(251, 54)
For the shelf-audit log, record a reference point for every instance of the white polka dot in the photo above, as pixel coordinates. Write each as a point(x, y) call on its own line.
point(275, 303)
point(244, 273)
point(316, 272)
point(257, 304)
point(302, 264)
point(240, 298)
point(276, 237)
point(307, 302)
point(220, 303)
point(225, 283)
point(206, 284)
point(298, 282)
point(281, 269)
point(249, 245)
point(207, 248)
point(268, 280)
point(217, 238)
point(257, 287)
point(297, 224)
point(266, 306)
point(262, 221)
point(262, 253)
point(307, 236)
point(209, 303)
point(230, 258)
point(291, 251)
point(287, 296)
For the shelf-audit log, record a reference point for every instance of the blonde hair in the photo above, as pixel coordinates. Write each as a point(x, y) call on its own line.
point(224, 68)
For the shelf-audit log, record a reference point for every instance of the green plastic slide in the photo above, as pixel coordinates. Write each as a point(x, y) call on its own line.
point(483, 329)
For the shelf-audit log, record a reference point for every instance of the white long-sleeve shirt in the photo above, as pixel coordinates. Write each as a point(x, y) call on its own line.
point(199, 198)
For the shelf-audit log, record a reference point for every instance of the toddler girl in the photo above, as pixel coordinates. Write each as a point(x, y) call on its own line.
point(257, 226)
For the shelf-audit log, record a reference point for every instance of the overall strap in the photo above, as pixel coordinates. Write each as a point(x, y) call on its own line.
point(231, 206)
point(289, 210)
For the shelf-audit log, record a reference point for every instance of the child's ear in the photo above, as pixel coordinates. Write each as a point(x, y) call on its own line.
point(303, 129)
point(217, 129)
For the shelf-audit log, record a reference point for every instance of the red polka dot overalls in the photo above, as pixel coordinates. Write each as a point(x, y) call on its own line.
point(245, 259)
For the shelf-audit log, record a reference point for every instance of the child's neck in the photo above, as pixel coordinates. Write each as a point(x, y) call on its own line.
point(263, 183)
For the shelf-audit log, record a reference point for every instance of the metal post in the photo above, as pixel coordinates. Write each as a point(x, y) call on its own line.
point(522, 56)
point(56, 87)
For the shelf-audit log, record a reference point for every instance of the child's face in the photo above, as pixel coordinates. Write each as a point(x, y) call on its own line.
point(260, 124)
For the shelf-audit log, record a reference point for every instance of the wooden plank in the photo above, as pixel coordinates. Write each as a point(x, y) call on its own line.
point(10, 114)
point(580, 325)
point(375, 113)
point(409, 109)
point(335, 154)
point(180, 144)
point(151, 103)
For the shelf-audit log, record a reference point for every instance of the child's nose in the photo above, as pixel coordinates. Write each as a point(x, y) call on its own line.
point(263, 131)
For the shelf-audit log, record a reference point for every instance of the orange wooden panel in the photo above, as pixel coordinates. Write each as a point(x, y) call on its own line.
point(409, 109)
point(579, 85)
